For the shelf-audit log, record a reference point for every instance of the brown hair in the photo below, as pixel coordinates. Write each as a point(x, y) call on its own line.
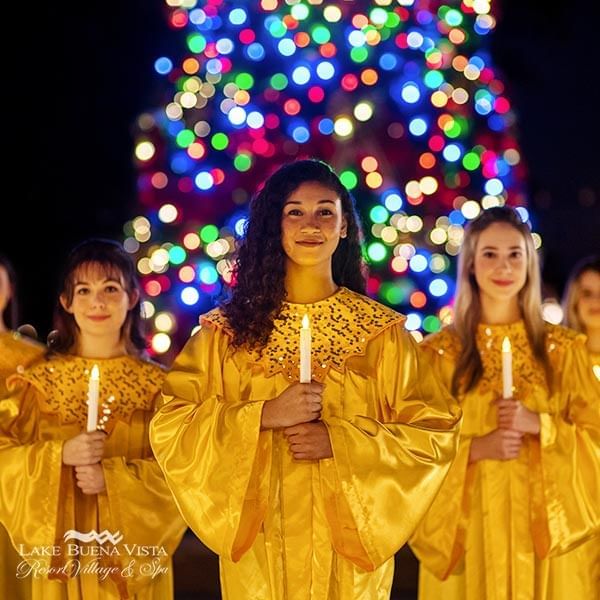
point(573, 289)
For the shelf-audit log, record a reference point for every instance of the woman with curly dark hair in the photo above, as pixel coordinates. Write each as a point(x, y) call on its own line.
point(305, 490)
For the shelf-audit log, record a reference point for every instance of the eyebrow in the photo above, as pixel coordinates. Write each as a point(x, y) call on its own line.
point(300, 202)
point(496, 248)
point(108, 280)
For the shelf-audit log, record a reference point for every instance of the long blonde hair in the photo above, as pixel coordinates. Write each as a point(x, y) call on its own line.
point(573, 290)
point(467, 306)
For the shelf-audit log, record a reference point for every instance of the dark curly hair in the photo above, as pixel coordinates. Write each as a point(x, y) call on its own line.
point(259, 272)
point(116, 263)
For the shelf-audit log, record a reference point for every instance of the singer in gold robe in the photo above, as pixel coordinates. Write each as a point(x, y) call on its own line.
point(522, 493)
point(90, 513)
point(304, 490)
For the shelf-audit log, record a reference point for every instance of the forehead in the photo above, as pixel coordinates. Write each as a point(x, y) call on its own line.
point(312, 191)
point(590, 279)
point(96, 272)
point(501, 235)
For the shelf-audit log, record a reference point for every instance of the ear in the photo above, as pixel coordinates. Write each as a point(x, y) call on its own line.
point(65, 304)
point(134, 298)
point(344, 228)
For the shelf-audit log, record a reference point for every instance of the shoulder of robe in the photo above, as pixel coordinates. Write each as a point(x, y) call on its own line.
point(443, 342)
point(216, 318)
point(557, 335)
point(17, 352)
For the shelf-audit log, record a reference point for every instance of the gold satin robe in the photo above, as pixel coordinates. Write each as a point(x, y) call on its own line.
point(322, 529)
point(510, 529)
point(40, 501)
point(16, 352)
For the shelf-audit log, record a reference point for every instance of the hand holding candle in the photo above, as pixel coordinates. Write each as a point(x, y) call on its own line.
point(305, 344)
point(507, 378)
point(92, 402)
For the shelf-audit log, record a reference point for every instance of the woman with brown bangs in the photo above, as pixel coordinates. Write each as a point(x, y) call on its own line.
point(81, 495)
point(524, 486)
point(304, 489)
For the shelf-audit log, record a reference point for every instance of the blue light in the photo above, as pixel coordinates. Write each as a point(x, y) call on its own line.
point(163, 65)
point(388, 61)
point(392, 201)
point(452, 152)
point(411, 93)
point(204, 180)
point(414, 40)
point(189, 295)
point(417, 126)
point(325, 70)
point(207, 274)
point(240, 226)
point(255, 120)
point(301, 75)
point(225, 46)
point(255, 51)
point(300, 134)
point(326, 126)
point(523, 213)
point(418, 263)
point(214, 66)
point(456, 217)
point(438, 287)
point(493, 187)
point(181, 162)
point(413, 321)
point(197, 16)
point(238, 16)
point(496, 123)
point(286, 47)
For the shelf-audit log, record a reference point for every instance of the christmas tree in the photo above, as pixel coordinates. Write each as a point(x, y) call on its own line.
point(400, 97)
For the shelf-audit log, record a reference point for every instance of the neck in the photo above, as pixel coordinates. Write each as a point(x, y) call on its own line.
point(99, 347)
point(305, 285)
point(495, 312)
point(593, 340)
point(3, 327)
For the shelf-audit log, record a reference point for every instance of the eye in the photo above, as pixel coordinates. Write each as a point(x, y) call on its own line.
point(516, 254)
point(82, 291)
point(325, 212)
point(488, 254)
point(111, 289)
point(293, 212)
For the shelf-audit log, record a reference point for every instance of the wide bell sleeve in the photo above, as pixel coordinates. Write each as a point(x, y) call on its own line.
point(569, 454)
point(386, 471)
point(30, 473)
point(209, 445)
point(138, 504)
point(439, 540)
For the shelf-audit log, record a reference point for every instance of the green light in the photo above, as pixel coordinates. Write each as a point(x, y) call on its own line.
point(393, 20)
point(196, 43)
point(209, 233)
point(392, 294)
point(378, 16)
point(299, 12)
point(471, 161)
point(378, 214)
point(242, 162)
point(431, 324)
point(377, 251)
point(349, 179)
point(359, 55)
point(277, 29)
point(433, 79)
point(184, 138)
point(279, 81)
point(320, 34)
point(453, 17)
point(454, 130)
point(219, 141)
point(177, 255)
point(244, 81)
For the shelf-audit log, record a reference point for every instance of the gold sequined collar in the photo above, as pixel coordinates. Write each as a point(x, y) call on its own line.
point(132, 384)
point(341, 326)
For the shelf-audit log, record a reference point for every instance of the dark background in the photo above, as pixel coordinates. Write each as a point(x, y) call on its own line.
point(80, 73)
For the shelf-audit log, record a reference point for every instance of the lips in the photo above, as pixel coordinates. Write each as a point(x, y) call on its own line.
point(98, 318)
point(309, 243)
point(502, 282)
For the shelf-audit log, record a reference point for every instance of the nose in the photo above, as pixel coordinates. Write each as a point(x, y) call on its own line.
point(505, 264)
point(310, 223)
point(98, 299)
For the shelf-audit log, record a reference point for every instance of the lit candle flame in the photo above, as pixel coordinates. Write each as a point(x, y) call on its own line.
point(506, 347)
point(305, 321)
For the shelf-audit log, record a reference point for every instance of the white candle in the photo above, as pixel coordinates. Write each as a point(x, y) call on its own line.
point(93, 392)
point(507, 378)
point(305, 343)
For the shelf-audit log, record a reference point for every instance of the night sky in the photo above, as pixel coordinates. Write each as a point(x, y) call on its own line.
point(81, 72)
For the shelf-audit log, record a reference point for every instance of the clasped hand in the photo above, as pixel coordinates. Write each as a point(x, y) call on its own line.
point(504, 443)
point(297, 411)
point(84, 452)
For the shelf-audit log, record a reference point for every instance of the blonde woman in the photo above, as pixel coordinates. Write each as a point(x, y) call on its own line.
point(524, 486)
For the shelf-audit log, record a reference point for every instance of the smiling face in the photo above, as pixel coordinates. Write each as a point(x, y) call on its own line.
point(500, 265)
point(100, 302)
point(312, 224)
point(588, 304)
